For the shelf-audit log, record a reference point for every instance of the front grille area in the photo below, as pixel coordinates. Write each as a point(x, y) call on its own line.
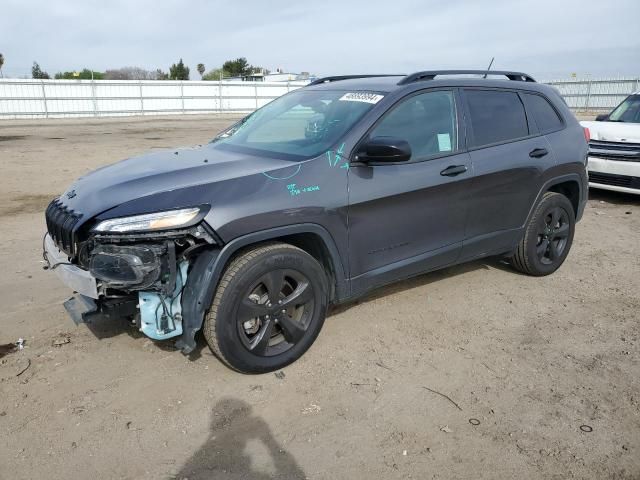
point(615, 180)
point(621, 151)
point(60, 224)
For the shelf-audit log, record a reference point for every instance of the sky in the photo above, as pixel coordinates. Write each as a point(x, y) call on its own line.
point(548, 39)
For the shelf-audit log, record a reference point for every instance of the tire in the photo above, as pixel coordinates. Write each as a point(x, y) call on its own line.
point(548, 236)
point(246, 327)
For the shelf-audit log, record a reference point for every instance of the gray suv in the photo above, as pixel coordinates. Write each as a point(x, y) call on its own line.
point(342, 186)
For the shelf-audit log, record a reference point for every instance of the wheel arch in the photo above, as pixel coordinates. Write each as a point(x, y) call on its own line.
point(569, 185)
point(571, 190)
point(208, 267)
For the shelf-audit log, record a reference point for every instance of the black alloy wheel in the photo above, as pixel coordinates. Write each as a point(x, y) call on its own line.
point(548, 236)
point(268, 309)
point(553, 232)
point(275, 314)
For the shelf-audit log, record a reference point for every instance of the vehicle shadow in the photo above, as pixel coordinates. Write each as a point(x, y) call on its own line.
point(616, 198)
point(424, 280)
point(240, 446)
point(104, 327)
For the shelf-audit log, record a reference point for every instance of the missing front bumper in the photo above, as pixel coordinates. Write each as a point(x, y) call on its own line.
point(74, 277)
point(81, 308)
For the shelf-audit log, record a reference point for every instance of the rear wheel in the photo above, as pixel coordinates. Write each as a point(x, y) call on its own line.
point(548, 236)
point(268, 309)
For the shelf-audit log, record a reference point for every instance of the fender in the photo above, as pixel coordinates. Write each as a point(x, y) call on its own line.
point(208, 267)
point(561, 179)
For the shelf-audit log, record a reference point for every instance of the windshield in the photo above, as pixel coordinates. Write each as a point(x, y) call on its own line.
point(628, 111)
point(299, 125)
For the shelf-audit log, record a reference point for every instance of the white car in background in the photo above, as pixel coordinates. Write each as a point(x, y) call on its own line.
point(614, 148)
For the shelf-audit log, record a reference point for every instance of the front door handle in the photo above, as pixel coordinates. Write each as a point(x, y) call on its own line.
point(453, 170)
point(538, 152)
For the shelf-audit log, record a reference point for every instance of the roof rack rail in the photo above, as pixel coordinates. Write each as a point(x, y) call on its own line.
point(431, 74)
point(336, 78)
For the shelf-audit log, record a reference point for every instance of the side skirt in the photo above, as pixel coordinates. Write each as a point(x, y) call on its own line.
point(403, 269)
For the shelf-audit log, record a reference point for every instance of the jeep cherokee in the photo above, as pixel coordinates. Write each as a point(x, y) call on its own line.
point(334, 189)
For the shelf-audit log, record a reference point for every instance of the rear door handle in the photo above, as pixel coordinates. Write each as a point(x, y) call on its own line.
point(538, 152)
point(453, 170)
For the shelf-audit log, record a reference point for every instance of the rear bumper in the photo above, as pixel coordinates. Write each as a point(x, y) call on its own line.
point(619, 176)
point(74, 277)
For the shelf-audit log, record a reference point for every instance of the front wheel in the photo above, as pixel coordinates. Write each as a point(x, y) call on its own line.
point(268, 308)
point(548, 236)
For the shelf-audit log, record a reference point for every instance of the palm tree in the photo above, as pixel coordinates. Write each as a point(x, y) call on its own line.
point(1, 64)
point(201, 69)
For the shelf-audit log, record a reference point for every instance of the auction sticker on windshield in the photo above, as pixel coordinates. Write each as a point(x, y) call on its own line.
point(361, 97)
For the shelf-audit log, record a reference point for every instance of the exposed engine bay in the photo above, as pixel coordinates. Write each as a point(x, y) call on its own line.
point(140, 277)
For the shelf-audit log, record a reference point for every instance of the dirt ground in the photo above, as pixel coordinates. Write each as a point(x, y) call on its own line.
point(548, 368)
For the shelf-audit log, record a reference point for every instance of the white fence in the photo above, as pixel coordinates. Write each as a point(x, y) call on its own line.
point(82, 98)
point(87, 98)
point(597, 93)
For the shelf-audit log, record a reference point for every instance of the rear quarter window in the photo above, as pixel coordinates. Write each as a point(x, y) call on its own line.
point(543, 113)
point(496, 116)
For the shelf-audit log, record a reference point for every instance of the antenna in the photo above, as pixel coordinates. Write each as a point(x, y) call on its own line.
point(489, 67)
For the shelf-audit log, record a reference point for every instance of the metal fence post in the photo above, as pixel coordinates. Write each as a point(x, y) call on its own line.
point(288, 87)
point(220, 93)
point(182, 94)
point(586, 102)
point(141, 99)
point(255, 91)
point(44, 97)
point(637, 85)
point(95, 100)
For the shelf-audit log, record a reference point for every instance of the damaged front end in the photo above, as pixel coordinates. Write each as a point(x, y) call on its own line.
point(134, 267)
point(143, 278)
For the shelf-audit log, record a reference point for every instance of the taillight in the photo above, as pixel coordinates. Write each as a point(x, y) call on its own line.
point(587, 134)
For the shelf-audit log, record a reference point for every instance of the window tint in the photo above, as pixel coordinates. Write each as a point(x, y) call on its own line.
point(627, 111)
point(496, 116)
point(302, 124)
point(427, 121)
point(545, 116)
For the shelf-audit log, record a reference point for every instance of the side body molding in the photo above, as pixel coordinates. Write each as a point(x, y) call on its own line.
point(209, 265)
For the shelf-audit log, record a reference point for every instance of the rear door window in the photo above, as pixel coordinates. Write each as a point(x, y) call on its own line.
point(496, 116)
point(543, 113)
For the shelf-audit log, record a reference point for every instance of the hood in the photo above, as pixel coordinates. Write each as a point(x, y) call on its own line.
point(614, 131)
point(176, 172)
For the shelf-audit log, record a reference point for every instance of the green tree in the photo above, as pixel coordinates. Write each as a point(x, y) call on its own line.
point(201, 69)
point(160, 75)
point(237, 68)
point(129, 73)
point(84, 74)
point(37, 72)
point(216, 74)
point(1, 64)
point(179, 71)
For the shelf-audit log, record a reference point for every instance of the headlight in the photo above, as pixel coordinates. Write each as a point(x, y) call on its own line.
point(149, 221)
point(136, 266)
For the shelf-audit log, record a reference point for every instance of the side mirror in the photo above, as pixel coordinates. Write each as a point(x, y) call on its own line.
point(603, 117)
point(385, 149)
